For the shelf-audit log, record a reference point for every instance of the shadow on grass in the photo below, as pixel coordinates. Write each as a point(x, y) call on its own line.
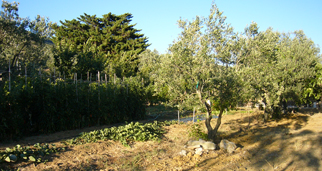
point(273, 146)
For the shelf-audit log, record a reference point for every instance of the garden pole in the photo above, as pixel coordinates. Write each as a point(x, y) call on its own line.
point(76, 87)
point(54, 75)
point(114, 78)
point(9, 77)
point(193, 116)
point(26, 76)
point(178, 117)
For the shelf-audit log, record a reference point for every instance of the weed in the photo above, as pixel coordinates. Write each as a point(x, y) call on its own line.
point(196, 133)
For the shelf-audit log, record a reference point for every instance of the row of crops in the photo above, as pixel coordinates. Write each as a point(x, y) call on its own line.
point(40, 106)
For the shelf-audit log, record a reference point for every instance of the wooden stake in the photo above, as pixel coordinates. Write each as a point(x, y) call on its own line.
point(114, 78)
point(106, 79)
point(76, 86)
point(178, 117)
point(98, 77)
point(54, 75)
point(193, 116)
point(40, 74)
point(9, 77)
point(26, 76)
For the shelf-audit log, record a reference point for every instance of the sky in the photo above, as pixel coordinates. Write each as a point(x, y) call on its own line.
point(157, 19)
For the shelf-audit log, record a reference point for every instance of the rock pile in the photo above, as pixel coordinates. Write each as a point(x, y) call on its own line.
point(202, 146)
point(199, 147)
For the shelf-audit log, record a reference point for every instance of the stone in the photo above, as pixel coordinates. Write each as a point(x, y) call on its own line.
point(246, 155)
point(183, 153)
point(230, 147)
point(207, 145)
point(199, 151)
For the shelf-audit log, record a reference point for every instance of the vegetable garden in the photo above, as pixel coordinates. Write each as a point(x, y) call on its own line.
point(42, 105)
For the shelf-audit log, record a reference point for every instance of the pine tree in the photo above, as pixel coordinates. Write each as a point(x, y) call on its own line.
point(110, 39)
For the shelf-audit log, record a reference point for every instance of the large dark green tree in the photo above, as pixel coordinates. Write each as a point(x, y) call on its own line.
point(112, 43)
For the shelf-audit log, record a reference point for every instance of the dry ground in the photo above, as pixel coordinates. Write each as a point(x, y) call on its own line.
point(291, 143)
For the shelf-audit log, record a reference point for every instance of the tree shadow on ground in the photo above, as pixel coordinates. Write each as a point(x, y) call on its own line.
point(276, 144)
point(310, 111)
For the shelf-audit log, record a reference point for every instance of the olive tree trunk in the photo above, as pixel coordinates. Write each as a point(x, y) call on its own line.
point(212, 132)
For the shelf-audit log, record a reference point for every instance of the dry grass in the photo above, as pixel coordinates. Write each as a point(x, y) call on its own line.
point(292, 143)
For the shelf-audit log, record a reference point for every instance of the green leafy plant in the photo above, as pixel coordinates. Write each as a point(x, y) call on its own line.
point(33, 154)
point(125, 134)
point(196, 133)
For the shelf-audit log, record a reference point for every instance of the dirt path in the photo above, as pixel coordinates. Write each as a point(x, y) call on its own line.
point(292, 143)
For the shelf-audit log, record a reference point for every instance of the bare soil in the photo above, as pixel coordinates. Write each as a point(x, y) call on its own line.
point(291, 143)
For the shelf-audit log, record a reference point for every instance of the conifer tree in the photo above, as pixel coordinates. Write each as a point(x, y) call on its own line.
point(110, 39)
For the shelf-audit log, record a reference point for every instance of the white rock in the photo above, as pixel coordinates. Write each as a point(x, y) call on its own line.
point(183, 153)
point(199, 151)
point(207, 145)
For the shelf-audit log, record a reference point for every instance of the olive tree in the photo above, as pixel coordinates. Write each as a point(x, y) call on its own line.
point(23, 41)
point(200, 68)
point(276, 65)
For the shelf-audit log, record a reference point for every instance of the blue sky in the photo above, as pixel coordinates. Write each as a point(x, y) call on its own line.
point(157, 19)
